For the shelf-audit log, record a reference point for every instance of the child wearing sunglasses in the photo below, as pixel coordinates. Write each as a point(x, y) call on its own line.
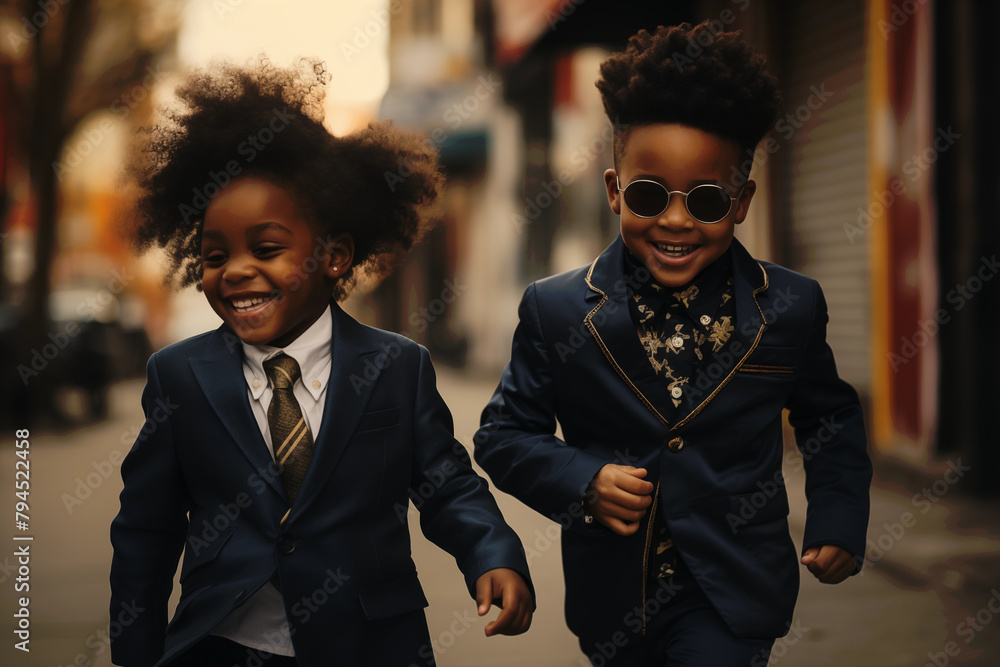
point(667, 363)
point(281, 451)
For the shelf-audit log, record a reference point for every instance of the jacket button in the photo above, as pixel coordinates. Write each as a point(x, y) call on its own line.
point(285, 545)
point(676, 444)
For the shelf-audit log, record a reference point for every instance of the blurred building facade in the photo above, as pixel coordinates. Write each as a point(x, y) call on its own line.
point(878, 180)
point(872, 181)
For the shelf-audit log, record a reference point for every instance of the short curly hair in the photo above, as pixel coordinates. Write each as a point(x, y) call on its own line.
point(695, 76)
point(380, 184)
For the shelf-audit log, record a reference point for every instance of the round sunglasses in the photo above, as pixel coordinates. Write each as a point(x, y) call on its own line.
point(707, 203)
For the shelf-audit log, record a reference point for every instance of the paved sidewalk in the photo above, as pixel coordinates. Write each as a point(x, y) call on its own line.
point(938, 566)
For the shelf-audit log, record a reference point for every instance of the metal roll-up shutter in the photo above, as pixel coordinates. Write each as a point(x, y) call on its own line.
point(822, 169)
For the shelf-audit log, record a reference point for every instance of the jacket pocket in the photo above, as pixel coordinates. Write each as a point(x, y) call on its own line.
point(392, 597)
point(772, 360)
point(768, 369)
point(378, 419)
point(199, 552)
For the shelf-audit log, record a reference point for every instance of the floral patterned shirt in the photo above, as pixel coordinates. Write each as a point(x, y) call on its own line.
point(680, 329)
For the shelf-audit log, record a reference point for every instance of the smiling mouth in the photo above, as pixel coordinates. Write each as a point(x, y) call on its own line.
point(246, 305)
point(675, 250)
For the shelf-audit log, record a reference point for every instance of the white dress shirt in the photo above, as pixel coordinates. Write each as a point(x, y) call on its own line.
point(260, 622)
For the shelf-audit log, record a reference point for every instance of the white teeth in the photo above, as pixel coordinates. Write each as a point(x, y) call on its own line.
point(676, 250)
point(246, 304)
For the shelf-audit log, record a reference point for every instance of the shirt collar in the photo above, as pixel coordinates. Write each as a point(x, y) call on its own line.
point(711, 280)
point(311, 350)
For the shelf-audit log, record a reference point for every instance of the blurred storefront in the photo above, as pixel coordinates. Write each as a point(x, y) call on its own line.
point(866, 185)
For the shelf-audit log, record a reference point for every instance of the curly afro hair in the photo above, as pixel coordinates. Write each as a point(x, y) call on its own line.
point(380, 184)
point(695, 76)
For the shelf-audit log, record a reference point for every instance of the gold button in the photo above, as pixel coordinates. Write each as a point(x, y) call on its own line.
point(705, 319)
point(676, 392)
point(317, 384)
point(676, 444)
point(255, 384)
point(677, 341)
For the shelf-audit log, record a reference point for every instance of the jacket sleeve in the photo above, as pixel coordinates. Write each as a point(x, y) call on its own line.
point(460, 515)
point(829, 428)
point(516, 442)
point(148, 533)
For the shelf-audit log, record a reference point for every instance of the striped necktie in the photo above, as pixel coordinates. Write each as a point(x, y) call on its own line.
point(290, 437)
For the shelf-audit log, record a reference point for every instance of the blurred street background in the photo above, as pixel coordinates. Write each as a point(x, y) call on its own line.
point(879, 180)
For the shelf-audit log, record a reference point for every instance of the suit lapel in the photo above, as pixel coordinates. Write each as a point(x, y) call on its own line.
point(749, 281)
point(610, 323)
point(354, 371)
point(219, 372)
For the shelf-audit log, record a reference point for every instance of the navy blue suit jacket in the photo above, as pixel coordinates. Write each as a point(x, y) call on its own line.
point(200, 475)
point(577, 359)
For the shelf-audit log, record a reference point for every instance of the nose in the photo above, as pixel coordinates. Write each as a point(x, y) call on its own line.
point(238, 268)
point(675, 216)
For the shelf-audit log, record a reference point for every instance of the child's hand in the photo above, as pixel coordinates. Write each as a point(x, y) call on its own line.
point(830, 564)
point(618, 497)
point(509, 588)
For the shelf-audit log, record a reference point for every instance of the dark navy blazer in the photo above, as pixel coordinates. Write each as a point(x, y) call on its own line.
point(201, 475)
point(577, 360)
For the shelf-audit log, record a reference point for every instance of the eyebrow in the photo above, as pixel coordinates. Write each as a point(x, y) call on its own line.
point(264, 226)
point(663, 181)
point(255, 229)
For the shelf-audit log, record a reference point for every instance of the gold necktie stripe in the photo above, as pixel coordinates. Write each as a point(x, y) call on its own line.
point(294, 429)
point(287, 425)
point(294, 445)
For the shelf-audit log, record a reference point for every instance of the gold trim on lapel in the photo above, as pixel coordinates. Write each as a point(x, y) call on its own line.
point(588, 322)
point(645, 551)
point(607, 353)
point(760, 332)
